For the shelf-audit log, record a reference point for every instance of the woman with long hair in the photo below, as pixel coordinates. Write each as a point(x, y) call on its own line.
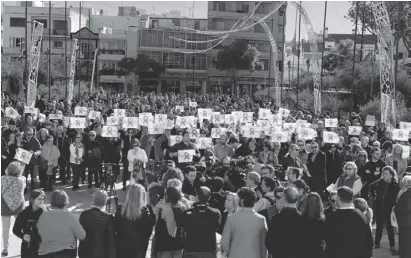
point(42, 135)
point(18, 143)
point(314, 223)
point(231, 205)
point(361, 161)
point(350, 178)
point(25, 226)
point(396, 161)
point(12, 199)
point(303, 190)
point(385, 191)
point(403, 214)
point(133, 224)
point(168, 230)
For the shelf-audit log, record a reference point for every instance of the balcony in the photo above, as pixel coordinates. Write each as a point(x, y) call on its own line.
point(112, 54)
point(225, 14)
point(112, 72)
point(111, 79)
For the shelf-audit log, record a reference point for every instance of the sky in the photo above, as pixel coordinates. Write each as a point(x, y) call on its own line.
point(335, 22)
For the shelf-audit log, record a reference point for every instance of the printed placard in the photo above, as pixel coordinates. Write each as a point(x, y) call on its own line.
point(78, 122)
point(370, 120)
point(279, 136)
point(248, 117)
point(29, 110)
point(156, 128)
point(218, 118)
point(291, 127)
point(331, 122)
point(330, 137)
point(119, 112)
point(405, 125)
point(204, 113)
point(66, 121)
point(263, 113)
point(80, 111)
point(405, 151)
point(109, 131)
point(238, 115)
point(229, 118)
point(180, 109)
point(252, 132)
point(192, 121)
point(263, 123)
point(174, 139)
point(217, 132)
point(130, 122)
point(204, 142)
point(354, 130)
point(170, 124)
point(400, 135)
point(55, 116)
point(182, 122)
point(160, 118)
point(231, 128)
point(42, 118)
point(144, 119)
point(23, 156)
point(284, 112)
point(271, 129)
point(11, 112)
point(194, 132)
point(301, 123)
point(192, 104)
point(113, 120)
point(94, 114)
point(185, 156)
point(307, 133)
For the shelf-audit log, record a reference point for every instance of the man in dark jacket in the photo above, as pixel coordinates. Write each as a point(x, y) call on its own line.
point(200, 225)
point(348, 233)
point(94, 157)
point(285, 230)
point(63, 144)
point(100, 239)
point(33, 145)
point(316, 167)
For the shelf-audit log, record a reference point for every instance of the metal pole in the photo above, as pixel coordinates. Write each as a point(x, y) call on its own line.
point(65, 47)
point(270, 65)
point(353, 61)
point(322, 52)
point(298, 58)
point(193, 61)
point(372, 73)
point(79, 50)
point(49, 73)
point(25, 73)
point(88, 52)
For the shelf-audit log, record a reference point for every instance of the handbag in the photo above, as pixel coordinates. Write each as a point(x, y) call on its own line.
point(394, 221)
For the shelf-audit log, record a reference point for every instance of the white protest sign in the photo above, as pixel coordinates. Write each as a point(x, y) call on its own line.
point(290, 127)
point(192, 121)
point(113, 120)
point(174, 139)
point(263, 123)
point(194, 132)
point(169, 124)
point(354, 130)
point(29, 110)
point(42, 118)
point(130, 122)
point(307, 133)
point(301, 123)
point(269, 130)
point(331, 122)
point(180, 108)
point(119, 112)
point(218, 118)
point(204, 113)
point(238, 115)
point(78, 122)
point(400, 135)
point(94, 114)
point(248, 117)
point(204, 142)
point(405, 151)
point(370, 120)
point(109, 131)
point(330, 137)
point(55, 116)
point(192, 104)
point(217, 132)
point(23, 156)
point(80, 111)
point(263, 113)
point(185, 156)
point(182, 122)
point(252, 132)
point(284, 112)
point(405, 125)
point(160, 118)
point(11, 112)
point(229, 118)
point(156, 128)
point(231, 128)
point(144, 119)
point(66, 121)
point(279, 136)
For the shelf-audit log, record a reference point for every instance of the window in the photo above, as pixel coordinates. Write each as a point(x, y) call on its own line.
point(176, 22)
point(58, 44)
point(221, 6)
point(44, 21)
point(17, 22)
point(196, 25)
point(16, 42)
point(245, 8)
point(59, 27)
point(215, 5)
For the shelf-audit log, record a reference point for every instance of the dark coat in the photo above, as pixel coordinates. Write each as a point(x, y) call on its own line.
point(314, 235)
point(133, 235)
point(94, 158)
point(403, 209)
point(318, 180)
point(385, 195)
point(99, 241)
point(333, 166)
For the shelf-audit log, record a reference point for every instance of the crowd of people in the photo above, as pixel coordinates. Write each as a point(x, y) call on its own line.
point(262, 196)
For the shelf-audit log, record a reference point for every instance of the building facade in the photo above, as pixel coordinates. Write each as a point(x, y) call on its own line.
point(222, 15)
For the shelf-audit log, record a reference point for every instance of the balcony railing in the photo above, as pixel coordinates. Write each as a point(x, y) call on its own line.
point(113, 51)
point(112, 72)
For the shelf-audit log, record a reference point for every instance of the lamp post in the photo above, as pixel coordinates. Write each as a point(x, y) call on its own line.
point(193, 62)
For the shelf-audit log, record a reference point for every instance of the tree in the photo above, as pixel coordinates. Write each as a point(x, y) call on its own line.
point(337, 56)
point(237, 56)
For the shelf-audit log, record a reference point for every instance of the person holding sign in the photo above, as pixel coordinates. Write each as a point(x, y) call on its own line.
point(12, 199)
point(397, 161)
point(136, 154)
point(33, 145)
point(185, 144)
point(48, 164)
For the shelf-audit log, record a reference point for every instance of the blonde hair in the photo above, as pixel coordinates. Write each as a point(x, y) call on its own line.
point(354, 166)
point(175, 183)
point(236, 200)
point(393, 150)
point(14, 169)
point(135, 201)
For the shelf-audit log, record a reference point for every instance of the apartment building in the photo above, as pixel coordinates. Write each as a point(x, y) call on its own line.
point(222, 15)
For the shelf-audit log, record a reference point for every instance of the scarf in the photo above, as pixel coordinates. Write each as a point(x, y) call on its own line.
point(13, 191)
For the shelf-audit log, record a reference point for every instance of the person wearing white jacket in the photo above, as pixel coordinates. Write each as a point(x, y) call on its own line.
point(76, 159)
point(133, 155)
